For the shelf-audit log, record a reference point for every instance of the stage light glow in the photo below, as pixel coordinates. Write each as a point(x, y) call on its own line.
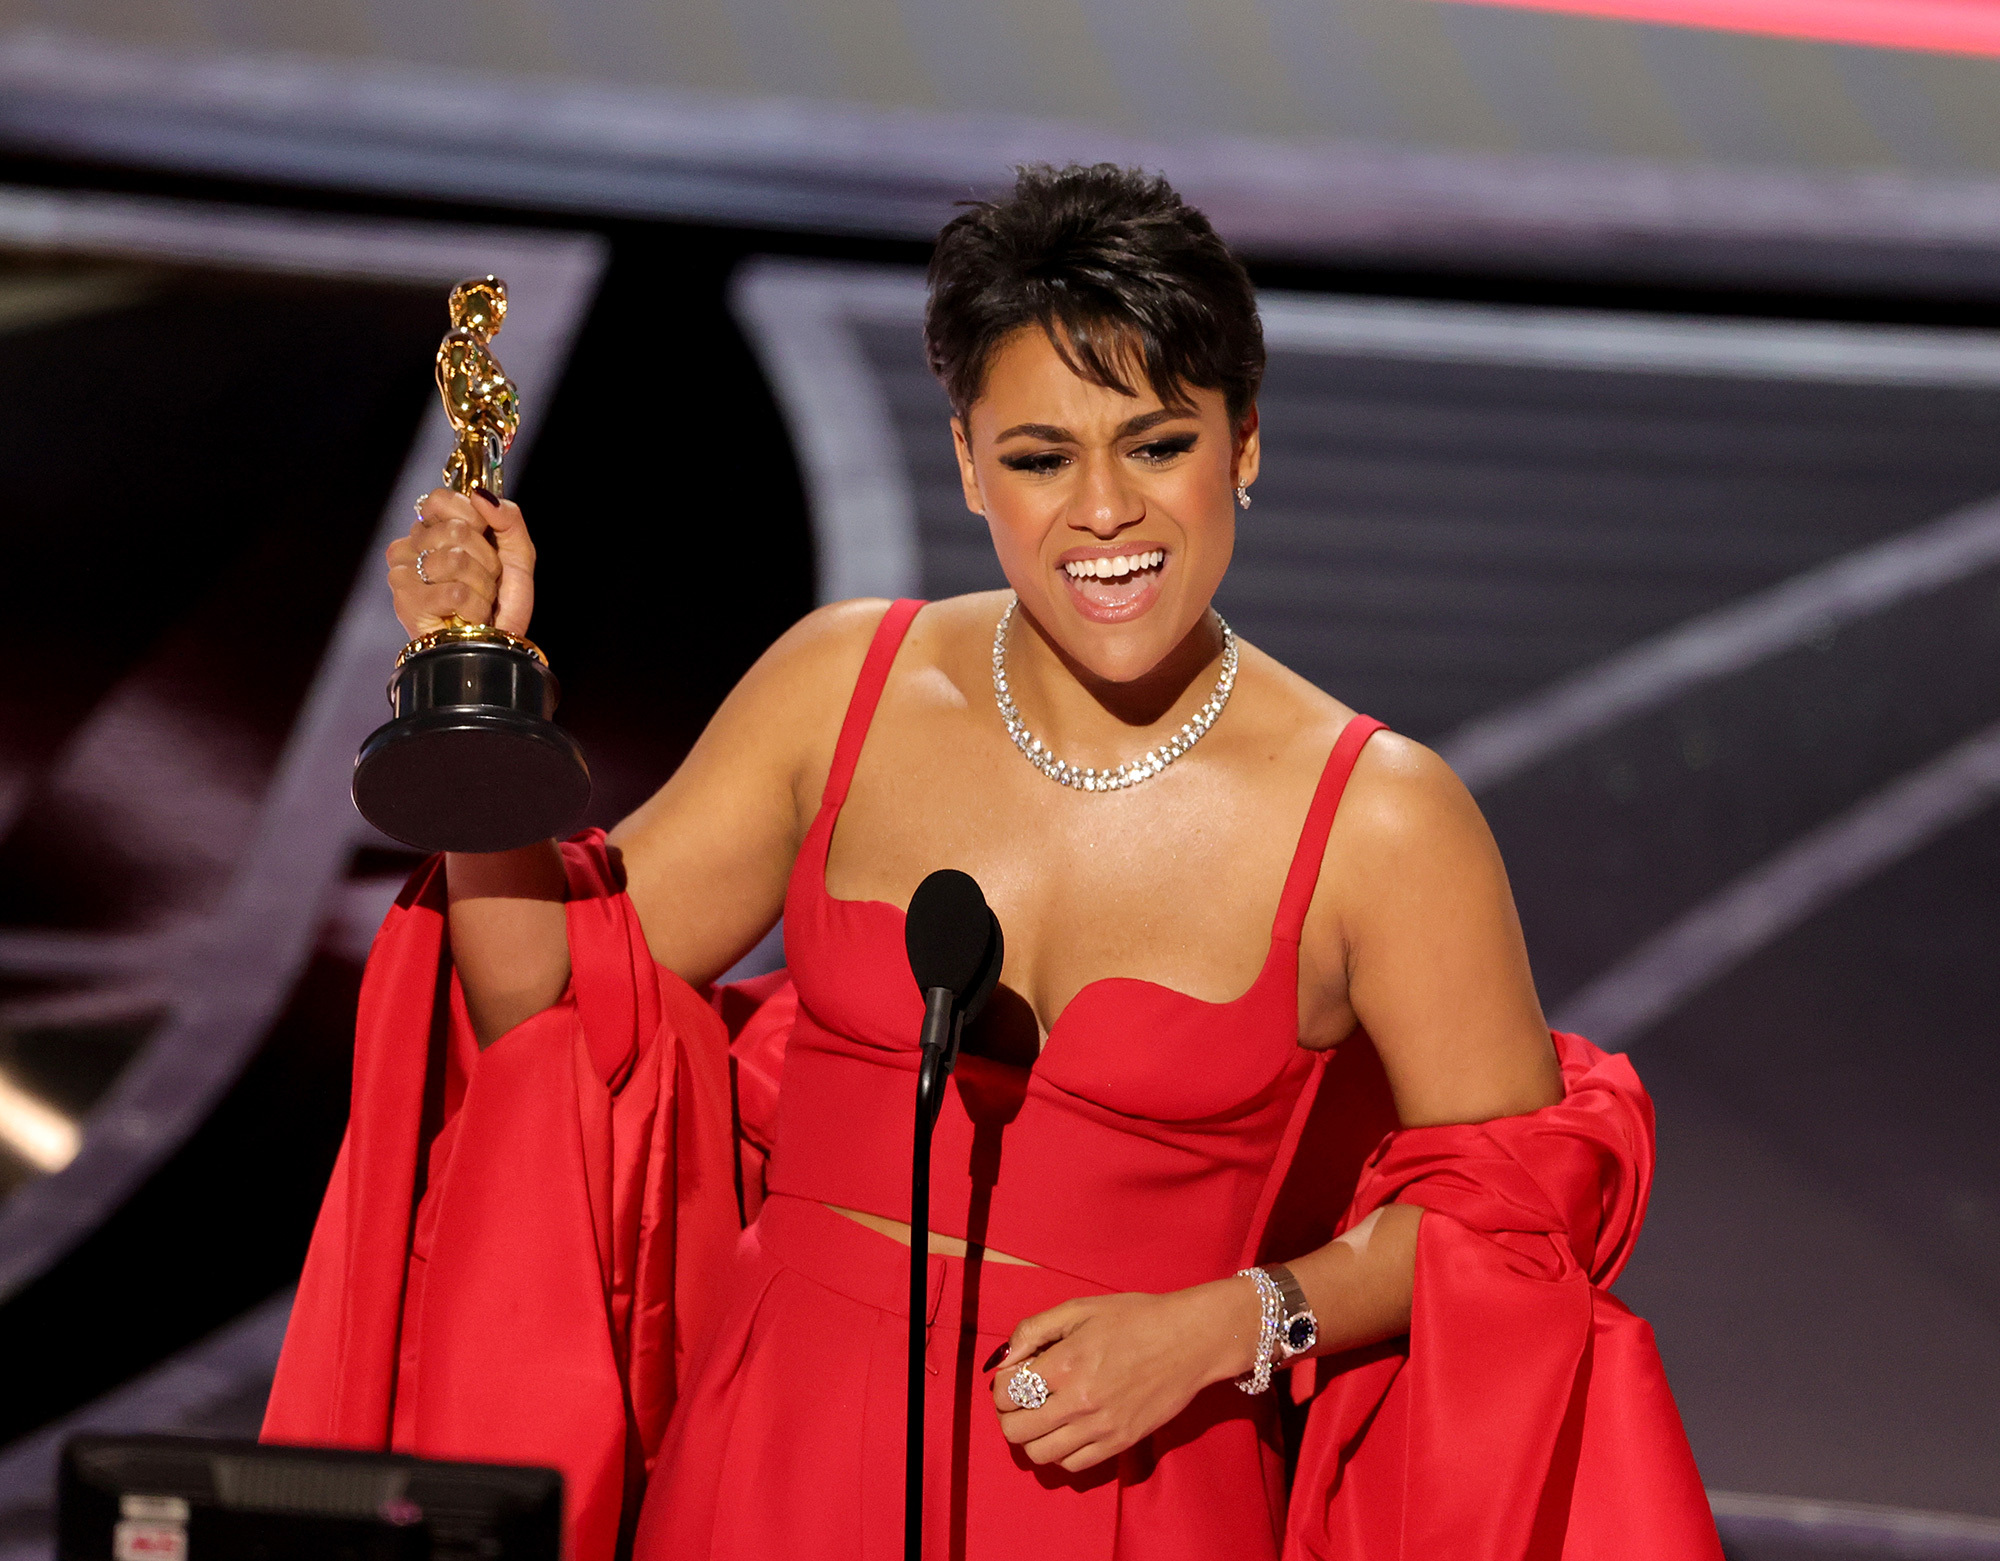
point(37, 1132)
point(40, 298)
point(1933, 26)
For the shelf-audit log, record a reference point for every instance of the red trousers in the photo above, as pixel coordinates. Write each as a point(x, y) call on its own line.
point(788, 1442)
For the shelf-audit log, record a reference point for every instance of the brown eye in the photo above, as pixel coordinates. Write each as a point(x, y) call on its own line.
point(1159, 451)
point(1041, 463)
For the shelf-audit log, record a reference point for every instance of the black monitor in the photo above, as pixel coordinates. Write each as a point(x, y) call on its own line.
point(182, 1498)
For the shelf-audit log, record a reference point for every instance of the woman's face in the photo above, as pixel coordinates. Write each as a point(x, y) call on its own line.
point(1113, 515)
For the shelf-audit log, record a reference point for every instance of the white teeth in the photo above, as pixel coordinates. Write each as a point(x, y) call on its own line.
point(1114, 568)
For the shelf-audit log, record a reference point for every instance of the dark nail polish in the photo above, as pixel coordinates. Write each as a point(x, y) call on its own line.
point(487, 497)
point(996, 1357)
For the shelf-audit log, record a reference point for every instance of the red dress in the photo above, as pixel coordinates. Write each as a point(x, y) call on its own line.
point(563, 1281)
point(1145, 1102)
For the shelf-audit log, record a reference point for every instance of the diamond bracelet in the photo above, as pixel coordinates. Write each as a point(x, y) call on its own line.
point(1258, 1379)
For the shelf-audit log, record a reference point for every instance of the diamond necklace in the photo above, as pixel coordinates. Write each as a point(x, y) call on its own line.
point(1130, 773)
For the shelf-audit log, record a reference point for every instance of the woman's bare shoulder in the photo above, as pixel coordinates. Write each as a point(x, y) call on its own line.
point(1400, 792)
point(783, 716)
point(946, 660)
point(1405, 805)
point(825, 642)
point(804, 678)
point(790, 704)
point(824, 650)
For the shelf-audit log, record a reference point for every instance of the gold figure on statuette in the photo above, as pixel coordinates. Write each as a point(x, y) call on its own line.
point(479, 399)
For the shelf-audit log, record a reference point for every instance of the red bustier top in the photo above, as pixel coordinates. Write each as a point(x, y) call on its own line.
point(1141, 1149)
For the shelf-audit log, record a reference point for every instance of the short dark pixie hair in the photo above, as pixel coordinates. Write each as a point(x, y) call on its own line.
point(1115, 267)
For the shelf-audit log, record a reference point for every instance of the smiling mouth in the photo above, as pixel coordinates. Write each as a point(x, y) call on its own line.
point(1118, 581)
point(1116, 568)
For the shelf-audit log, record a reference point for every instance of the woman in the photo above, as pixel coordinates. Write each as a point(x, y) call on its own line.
point(1224, 876)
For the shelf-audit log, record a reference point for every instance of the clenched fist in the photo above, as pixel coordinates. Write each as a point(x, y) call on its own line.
point(477, 561)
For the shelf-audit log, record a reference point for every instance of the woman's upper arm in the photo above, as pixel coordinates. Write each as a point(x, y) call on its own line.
point(706, 858)
point(1436, 966)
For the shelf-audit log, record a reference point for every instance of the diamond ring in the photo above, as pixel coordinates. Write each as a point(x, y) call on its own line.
point(421, 575)
point(1028, 1388)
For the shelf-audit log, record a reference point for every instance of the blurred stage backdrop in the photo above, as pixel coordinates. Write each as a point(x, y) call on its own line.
point(1633, 424)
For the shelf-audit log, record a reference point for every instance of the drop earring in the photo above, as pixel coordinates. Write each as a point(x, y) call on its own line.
point(1242, 496)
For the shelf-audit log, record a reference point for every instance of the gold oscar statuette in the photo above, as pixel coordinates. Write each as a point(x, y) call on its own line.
point(470, 760)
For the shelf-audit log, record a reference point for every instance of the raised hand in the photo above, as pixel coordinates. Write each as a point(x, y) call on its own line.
point(478, 562)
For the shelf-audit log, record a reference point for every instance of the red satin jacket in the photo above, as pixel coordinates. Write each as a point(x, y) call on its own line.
point(517, 1245)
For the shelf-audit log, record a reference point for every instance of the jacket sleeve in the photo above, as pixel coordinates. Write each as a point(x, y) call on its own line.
point(759, 1014)
point(1526, 1417)
point(519, 1244)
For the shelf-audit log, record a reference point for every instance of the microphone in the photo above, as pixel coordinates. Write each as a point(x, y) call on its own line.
point(956, 951)
point(953, 940)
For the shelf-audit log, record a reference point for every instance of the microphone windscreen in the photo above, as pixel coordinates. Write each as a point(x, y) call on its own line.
point(948, 933)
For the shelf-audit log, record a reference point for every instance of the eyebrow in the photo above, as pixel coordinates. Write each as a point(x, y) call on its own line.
point(1054, 435)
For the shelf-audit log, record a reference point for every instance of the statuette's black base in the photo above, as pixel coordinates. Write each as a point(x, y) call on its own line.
point(472, 761)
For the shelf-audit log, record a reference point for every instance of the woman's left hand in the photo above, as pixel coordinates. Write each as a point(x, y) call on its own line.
point(1121, 1366)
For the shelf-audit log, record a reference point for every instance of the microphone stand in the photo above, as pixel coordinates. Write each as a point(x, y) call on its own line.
point(944, 1021)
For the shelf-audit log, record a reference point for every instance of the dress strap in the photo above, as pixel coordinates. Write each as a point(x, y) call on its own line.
point(867, 694)
point(1304, 876)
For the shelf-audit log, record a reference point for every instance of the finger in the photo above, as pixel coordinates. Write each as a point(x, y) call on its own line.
point(434, 539)
point(1061, 1443)
point(472, 565)
point(516, 549)
point(432, 579)
point(1025, 1426)
point(1021, 1426)
point(1003, 1380)
point(1026, 1345)
point(1090, 1455)
point(441, 504)
point(406, 590)
point(453, 548)
point(1034, 1334)
point(1056, 1369)
point(455, 528)
point(448, 546)
point(470, 601)
point(433, 605)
